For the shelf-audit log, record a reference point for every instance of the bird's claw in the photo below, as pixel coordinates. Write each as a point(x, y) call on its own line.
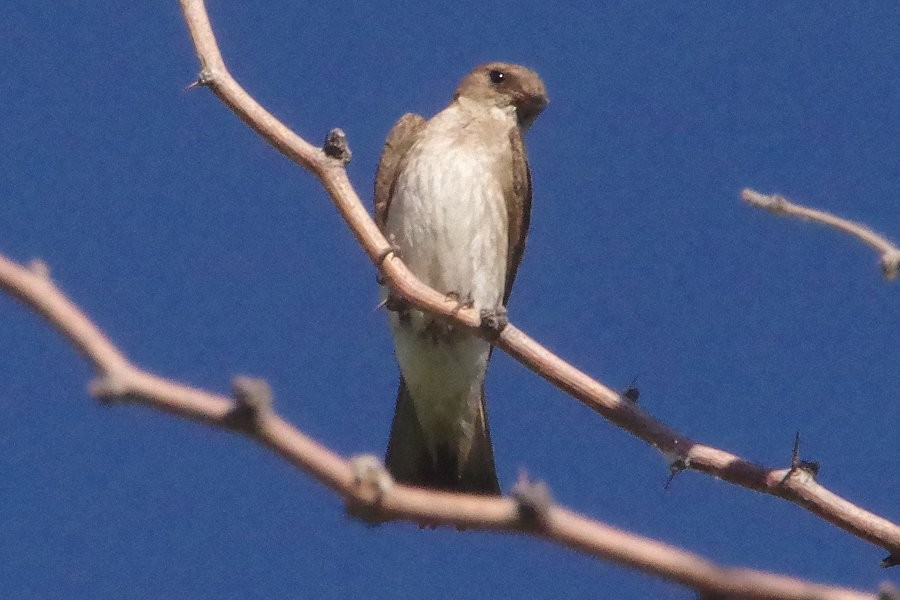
point(494, 319)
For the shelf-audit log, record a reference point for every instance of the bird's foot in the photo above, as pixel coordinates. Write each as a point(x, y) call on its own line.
point(398, 305)
point(494, 320)
point(461, 301)
point(440, 330)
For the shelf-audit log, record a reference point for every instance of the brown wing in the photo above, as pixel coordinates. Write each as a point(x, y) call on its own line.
point(400, 139)
point(518, 208)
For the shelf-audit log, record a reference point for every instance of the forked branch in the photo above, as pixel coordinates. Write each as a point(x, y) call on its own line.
point(619, 410)
point(362, 482)
point(803, 491)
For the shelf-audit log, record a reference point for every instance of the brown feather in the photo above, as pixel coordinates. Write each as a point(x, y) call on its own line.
point(401, 138)
point(518, 208)
point(408, 459)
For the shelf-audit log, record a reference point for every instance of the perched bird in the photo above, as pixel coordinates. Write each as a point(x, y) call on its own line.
point(453, 195)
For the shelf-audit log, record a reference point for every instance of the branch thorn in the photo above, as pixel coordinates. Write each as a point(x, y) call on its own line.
point(809, 467)
point(204, 78)
point(108, 388)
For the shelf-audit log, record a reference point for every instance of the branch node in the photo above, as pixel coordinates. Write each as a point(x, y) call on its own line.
point(808, 469)
point(336, 146)
point(204, 79)
point(678, 465)
point(39, 268)
point(890, 264)
point(253, 398)
point(631, 393)
point(383, 256)
point(372, 482)
point(108, 388)
point(773, 203)
point(534, 501)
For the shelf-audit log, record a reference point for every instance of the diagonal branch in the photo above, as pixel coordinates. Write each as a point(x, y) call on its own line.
point(784, 483)
point(779, 205)
point(363, 483)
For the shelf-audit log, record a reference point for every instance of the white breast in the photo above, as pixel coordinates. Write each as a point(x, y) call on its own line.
point(448, 214)
point(449, 219)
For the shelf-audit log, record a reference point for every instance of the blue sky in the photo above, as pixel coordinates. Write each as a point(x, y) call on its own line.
point(204, 254)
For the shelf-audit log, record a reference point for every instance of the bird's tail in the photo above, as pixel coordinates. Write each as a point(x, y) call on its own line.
point(449, 468)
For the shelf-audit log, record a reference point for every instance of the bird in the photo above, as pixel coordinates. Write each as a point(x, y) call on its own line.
point(453, 198)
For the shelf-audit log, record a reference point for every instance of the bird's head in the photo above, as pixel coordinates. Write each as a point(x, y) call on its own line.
point(503, 84)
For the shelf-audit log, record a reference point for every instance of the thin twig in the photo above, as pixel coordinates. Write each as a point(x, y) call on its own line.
point(779, 205)
point(607, 402)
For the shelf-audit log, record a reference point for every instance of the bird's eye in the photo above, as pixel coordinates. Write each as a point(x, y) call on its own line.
point(497, 77)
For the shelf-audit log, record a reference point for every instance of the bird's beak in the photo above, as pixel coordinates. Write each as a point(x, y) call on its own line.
point(529, 107)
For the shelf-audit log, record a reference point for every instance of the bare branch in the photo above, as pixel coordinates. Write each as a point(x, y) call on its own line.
point(779, 205)
point(803, 491)
point(364, 484)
